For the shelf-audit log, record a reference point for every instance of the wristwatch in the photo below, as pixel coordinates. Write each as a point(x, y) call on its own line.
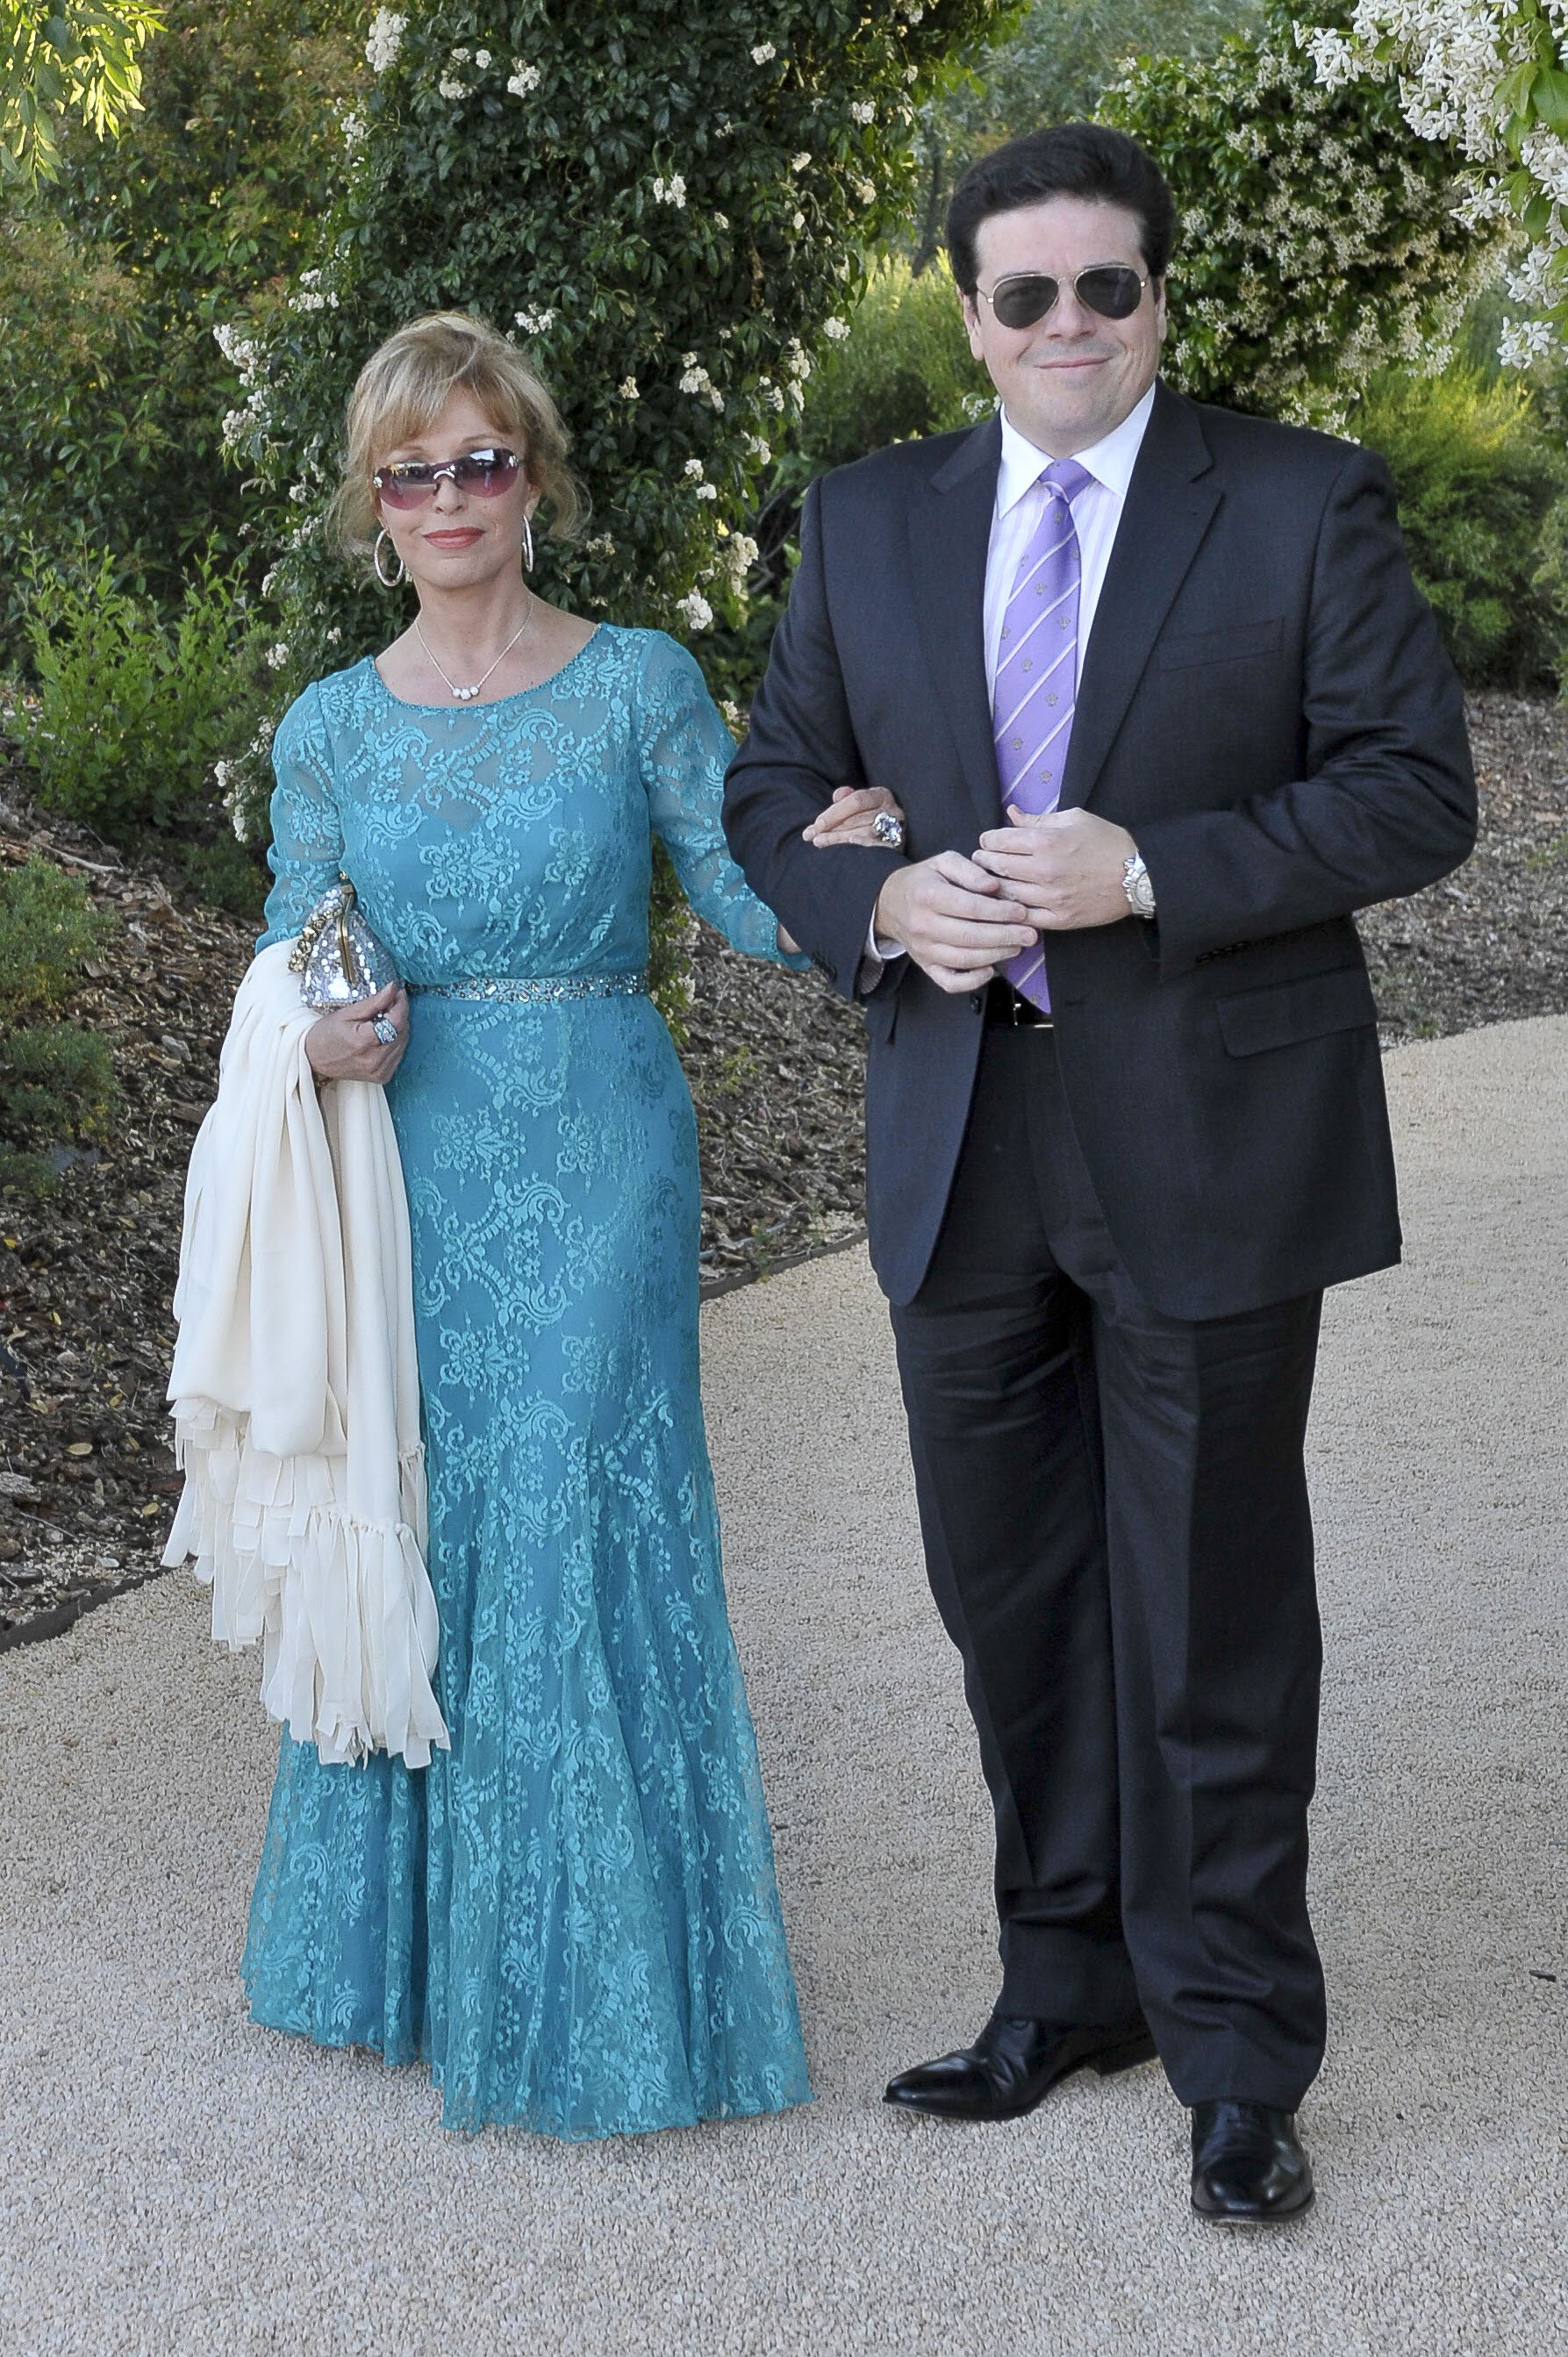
point(1138, 884)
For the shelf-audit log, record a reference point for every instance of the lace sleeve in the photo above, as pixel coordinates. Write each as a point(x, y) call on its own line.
point(307, 848)
point(684, 749)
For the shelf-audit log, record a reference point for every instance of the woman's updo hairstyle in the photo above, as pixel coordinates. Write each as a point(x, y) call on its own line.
point(404, 386)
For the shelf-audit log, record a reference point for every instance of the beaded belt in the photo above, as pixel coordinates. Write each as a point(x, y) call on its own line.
point(539, 990)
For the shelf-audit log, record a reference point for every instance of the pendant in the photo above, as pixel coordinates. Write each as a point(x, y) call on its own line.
point(463, 694)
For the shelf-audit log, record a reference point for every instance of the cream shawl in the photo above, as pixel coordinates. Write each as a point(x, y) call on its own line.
point(296, 1390)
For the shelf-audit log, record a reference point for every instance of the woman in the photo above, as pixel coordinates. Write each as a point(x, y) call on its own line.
point(571, 1914)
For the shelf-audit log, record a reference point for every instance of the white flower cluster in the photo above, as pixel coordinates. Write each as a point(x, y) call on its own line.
point(1281, 300)
point(863, 111)
point(764, 54)
point(836, 330)
point(629, 389)
point(309, 294)
point(384, 39)
point(241, 352)
point(536, 323)
point(695, 610)
point(525, 77)
point(353, 127)
point(672, 191)
point(738, 556)
point(1463, 69)
point(696, 379)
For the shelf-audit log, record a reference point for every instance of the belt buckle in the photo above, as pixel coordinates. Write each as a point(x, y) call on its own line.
point(1025, 1015)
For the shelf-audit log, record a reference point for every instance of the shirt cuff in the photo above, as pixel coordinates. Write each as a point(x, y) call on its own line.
point(877, 954)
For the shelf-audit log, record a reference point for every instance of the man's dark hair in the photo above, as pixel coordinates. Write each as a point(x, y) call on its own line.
point(1072, 160)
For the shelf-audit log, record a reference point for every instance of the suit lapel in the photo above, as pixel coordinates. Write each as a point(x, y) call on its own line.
point(1167, 514)
point(950, 533)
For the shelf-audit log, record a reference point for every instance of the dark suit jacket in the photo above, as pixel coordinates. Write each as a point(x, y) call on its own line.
point(1265, 705)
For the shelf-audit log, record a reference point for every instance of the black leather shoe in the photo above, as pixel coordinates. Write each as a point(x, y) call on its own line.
point(1013, 2064)
point(1248, 2167)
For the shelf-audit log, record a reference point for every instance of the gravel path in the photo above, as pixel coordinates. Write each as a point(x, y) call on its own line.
point(173, 2180)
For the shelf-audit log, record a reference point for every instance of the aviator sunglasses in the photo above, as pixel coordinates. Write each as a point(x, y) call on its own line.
point(1108, 288)
point(409, 482)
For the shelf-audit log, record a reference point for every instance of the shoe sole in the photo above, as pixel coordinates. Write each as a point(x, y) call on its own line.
point(1107, 2063)
point(1261, 2218)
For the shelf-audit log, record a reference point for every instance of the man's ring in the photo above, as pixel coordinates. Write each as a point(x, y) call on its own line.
point(385, 1031)
point(889, 829)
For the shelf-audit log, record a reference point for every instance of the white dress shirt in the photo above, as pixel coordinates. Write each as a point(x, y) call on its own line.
point(1096, 513)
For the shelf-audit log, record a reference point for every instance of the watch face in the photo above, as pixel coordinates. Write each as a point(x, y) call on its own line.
point(1139, 890)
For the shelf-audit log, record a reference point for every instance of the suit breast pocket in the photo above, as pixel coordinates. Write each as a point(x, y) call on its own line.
point(1231, 645)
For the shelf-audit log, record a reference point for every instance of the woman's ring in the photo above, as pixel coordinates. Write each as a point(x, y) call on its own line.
point(385, 1031)
point(887, 829)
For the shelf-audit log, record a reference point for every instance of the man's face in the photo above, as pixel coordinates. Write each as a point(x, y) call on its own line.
point(1068, 380)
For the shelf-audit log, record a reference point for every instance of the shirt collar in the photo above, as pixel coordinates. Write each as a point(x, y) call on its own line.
point(1111, 461)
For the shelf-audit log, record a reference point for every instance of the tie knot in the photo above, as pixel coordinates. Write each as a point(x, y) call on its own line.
point(1066, 476)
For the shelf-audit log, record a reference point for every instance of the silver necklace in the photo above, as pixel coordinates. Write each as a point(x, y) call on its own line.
point(467, 694)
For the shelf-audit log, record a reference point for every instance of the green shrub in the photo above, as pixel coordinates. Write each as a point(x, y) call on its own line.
point(55, 1082)
point(134, 714)
point(1478, 476)
point(112, 277)
point(904, 368)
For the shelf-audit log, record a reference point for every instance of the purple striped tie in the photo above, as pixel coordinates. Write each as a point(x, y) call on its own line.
point(1037, 676)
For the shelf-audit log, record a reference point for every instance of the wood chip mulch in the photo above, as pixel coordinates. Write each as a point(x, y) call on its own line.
point(87, 1480)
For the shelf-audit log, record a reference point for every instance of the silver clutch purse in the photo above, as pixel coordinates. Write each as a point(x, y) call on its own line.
point(339, 958)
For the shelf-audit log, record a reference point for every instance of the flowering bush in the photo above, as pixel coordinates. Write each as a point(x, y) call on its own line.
point(1491, 77)
point(667, 204)
point(1318, 235)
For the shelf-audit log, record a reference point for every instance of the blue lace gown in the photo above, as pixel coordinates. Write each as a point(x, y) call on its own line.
point(571, 1915)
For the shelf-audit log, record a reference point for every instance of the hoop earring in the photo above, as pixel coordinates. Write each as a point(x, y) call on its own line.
point(400, 576)
point(527, 545)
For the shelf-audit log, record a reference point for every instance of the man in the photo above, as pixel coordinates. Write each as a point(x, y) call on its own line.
point(1163, 707)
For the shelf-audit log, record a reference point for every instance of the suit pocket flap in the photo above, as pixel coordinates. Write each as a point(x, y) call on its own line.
point(1221, 646)
point(1284, 1012)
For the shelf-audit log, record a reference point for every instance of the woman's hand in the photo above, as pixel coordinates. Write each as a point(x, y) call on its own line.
point(343, 1045)
point(851, 817)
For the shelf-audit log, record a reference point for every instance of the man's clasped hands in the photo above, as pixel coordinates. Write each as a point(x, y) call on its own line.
point(962, 918)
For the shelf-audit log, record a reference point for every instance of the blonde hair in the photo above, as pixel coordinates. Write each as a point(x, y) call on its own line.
point(404, 386)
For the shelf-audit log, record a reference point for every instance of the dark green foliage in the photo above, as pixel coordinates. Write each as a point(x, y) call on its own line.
point(55, 1082)
point(905, 369)
point(226, 875)
point(135, 714)
point(112, 277)
point(1477, 476)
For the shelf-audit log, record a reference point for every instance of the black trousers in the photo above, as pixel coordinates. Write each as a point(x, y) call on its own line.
point(1117, 1532)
